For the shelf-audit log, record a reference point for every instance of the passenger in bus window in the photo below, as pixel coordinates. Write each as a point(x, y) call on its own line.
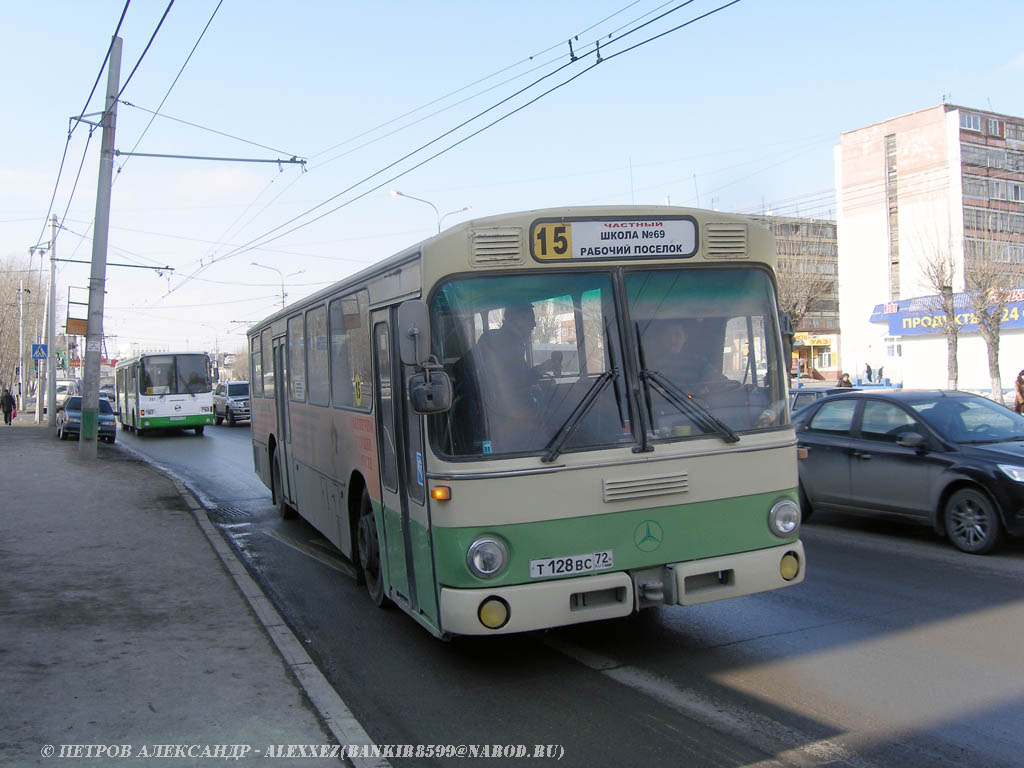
point(666, 351)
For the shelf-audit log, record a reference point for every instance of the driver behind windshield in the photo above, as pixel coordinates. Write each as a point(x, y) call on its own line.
point(505, 383)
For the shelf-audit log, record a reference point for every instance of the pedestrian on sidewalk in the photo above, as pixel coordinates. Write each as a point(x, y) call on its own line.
point(1018, 387)
point(7, 406)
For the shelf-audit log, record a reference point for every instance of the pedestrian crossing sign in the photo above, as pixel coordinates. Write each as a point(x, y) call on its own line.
point(38, 351)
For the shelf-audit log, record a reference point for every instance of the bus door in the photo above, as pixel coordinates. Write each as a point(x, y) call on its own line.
point(284, 431)
point(403, 476)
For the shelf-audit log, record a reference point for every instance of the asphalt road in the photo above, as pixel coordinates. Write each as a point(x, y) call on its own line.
point(896, 650)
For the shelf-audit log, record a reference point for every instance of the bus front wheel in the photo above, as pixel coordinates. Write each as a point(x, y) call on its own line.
point(369, 551)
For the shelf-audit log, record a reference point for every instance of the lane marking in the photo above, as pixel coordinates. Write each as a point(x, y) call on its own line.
point(789, 746)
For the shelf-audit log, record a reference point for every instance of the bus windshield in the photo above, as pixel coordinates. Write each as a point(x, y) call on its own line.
point(707, 342)
point(536, 362)
point(175, 375)
point(524, 353)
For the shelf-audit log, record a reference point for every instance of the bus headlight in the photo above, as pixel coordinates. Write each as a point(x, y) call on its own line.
point(487, 557)
point(784, 518)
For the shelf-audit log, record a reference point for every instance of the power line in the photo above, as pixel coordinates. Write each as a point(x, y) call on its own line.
point(264, 239)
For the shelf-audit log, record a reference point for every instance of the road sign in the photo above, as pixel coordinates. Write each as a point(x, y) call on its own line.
point(38, 351)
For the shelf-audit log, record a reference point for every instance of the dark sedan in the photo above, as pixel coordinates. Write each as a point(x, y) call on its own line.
point(953, 459)
point(798, 398)
point(69, 419)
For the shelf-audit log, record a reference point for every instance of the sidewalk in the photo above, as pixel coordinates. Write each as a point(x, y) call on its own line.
point(121, 625)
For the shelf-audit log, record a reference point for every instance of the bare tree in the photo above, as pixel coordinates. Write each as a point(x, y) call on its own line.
point(15, 273)
point(805, 268)
point(991, 275)
point(240, 364)
point(939, 269)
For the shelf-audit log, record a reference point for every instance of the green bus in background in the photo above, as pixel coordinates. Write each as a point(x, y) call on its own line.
point(164, 390)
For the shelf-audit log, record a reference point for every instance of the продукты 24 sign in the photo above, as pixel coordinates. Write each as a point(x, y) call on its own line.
point(923, 315)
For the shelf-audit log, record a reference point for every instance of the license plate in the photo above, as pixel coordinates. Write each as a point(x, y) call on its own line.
point(177, 418)
point(573, 564)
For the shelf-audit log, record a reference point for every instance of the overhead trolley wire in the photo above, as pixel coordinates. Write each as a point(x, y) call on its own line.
point(266, 238)
point(75, 121)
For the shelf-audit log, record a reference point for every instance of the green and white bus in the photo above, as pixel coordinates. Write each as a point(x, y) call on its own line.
point(164, 390)
point(631, 449)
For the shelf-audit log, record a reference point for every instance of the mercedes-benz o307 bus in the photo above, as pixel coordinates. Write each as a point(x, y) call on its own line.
point(637, 453)
point(164, 391)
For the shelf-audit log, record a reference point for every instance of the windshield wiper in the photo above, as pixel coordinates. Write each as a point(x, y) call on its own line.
point(564, 432)
point(689, 406)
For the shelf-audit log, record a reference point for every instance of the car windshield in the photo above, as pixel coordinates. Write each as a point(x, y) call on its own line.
point(239, 388)
point(970, 419)
point(75, 404)
point(537, 361)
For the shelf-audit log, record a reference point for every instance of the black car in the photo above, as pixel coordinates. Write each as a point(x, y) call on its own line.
point(953, 459)
point(69, 419)
point(798, 398)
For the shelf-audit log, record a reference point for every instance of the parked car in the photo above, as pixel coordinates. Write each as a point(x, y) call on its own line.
point(798, 398)
point(231, 402)
point(69, 419)
point(952, 459)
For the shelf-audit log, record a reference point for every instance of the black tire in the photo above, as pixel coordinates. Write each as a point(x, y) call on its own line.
point(972, 522)
point(369, 551)
point(806, 510)
point(199, 431)
point(231, 417)
point(286, 512)
point(60, 433)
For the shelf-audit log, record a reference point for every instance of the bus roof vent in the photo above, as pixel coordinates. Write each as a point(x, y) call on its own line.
point(496, 246)
point(725, 240)
point(644, 487)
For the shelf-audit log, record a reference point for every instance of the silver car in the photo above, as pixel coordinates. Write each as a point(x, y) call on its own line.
point(231, 402)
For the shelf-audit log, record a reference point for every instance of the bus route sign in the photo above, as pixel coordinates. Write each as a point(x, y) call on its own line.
point(647, 238)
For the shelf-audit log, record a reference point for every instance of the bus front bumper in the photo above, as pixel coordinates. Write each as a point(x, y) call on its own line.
point(611, 595)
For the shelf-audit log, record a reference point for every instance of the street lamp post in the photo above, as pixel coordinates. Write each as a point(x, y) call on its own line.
point(440, 217)
point(280, 275)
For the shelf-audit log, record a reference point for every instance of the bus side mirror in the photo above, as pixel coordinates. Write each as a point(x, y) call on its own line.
point(430, 391)
point(413, 332)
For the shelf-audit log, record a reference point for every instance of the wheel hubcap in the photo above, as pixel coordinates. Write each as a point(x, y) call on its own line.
point(969, 523)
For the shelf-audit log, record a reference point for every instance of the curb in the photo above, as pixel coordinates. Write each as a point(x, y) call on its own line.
point(336, 715)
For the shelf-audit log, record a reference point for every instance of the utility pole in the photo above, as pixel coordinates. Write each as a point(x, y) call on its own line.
point(51, 334)
point(97, 278)
point(21, 344)
point(40, 367)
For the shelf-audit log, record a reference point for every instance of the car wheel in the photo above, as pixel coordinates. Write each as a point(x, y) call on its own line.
point(60, 433)
point(231, 417)
point(199, 431)
point(283, 508)
point(369, 551)
point(972, 522)
point(806, 510)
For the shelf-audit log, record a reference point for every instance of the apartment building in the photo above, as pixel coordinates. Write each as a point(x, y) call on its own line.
point(947, 180)
point(807, 273)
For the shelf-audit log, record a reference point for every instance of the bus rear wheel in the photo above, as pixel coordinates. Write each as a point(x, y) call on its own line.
point(369, 551)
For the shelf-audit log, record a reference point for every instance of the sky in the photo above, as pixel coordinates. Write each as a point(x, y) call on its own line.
point(737, 110)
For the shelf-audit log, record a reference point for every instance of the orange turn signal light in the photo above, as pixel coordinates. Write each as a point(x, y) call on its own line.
point(440, 493)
